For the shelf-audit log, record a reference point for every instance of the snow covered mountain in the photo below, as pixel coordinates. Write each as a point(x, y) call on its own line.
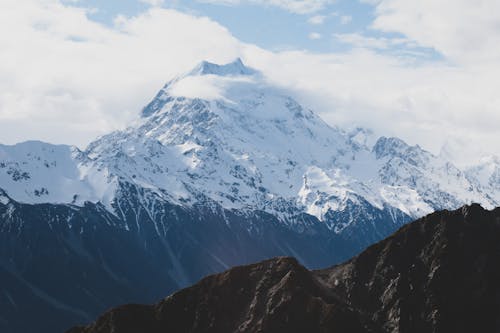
point(220, 168)
point(221, 133)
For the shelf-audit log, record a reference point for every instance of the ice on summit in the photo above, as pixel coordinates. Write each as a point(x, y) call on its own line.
point(234, 68)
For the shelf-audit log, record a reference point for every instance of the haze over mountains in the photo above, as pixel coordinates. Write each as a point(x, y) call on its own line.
point(220, 169)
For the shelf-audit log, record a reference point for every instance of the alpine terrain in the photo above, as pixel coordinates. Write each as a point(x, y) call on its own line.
point(220, 169)
point(438, 274)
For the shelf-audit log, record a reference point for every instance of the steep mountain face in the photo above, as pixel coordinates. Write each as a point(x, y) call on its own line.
point(220, 169)
point(438, 274)
point(221, 133)
point(277, 295)
point(63, 264)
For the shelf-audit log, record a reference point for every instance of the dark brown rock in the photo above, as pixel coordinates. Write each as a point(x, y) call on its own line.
point(438, 274)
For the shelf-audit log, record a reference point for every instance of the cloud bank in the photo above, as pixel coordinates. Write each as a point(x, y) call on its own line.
point(67, 79)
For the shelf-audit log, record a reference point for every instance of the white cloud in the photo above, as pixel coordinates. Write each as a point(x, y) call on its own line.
point(64, 78)
point(155, 3)
point(361, 41)
point(345, 19)
point(314, 36)
point(427, 104)
point(461, 30)
point(317, 20)
point(208, 87)
point(294, 6)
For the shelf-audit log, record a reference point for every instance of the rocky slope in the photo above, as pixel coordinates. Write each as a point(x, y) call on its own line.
point(62, 264)
point(220, 169)
point(438, 274)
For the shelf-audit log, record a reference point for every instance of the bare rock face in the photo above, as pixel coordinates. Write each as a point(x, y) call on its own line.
point(438, 274)
point(272, 296)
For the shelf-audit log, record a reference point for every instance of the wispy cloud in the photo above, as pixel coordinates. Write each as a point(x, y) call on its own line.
point(345, 19)
point(461, 30)
point(294, 6)
point(315, 36)
point(317, 19)
point(358, 40)
point(154, 3)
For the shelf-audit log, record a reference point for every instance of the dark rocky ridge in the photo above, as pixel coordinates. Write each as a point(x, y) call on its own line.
point(65, 264)
point(438, 274)
point(272, 296)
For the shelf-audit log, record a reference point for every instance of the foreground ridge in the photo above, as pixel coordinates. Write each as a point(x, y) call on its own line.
point(437, 274)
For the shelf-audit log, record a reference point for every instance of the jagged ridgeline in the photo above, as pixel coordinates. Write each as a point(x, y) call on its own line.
point(439, 274)
point(220, 168)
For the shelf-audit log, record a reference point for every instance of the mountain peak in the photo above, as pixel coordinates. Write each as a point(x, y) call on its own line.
point(196, 84)
point(389, 146)
point(235, 68)
point(473, 211)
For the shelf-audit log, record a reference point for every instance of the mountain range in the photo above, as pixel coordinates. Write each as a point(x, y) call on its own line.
point(221, 168)
point(438, 274)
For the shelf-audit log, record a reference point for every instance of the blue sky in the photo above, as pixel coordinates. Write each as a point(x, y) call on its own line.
point(270, 27)
point(275, 28)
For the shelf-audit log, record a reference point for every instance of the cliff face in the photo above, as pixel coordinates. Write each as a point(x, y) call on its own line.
point(271, 296)
point(438, 274)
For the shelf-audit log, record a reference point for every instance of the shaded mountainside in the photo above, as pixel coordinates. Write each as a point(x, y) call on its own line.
point(203, 180)
point(64, 264)
point(438, 274)
point(277, 295)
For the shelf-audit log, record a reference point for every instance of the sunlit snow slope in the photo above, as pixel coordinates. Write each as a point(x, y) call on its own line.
point(221, 133)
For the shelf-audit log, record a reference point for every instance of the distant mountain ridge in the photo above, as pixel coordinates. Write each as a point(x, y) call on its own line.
point(438, 274)
point(220, 168)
